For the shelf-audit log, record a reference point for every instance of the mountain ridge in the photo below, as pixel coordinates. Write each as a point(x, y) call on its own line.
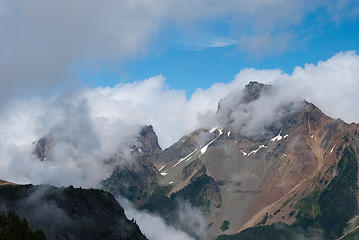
point(69, 213)
point(245, 172)
point(303, 144)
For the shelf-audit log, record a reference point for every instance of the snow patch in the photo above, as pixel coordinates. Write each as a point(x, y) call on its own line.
point(332, 150)
point(255, 151)
point(220, 132)
point(190, 155)
point(213, 129)
point(244, 153)
point(278, 137)
point(204, 149)
point(185, 158)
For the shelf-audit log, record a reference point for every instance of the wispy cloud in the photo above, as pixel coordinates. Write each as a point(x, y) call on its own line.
point(218, 43)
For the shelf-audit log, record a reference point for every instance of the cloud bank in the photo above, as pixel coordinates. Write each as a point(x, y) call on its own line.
point(92, 125)
point(153, 226)
point(44, 43)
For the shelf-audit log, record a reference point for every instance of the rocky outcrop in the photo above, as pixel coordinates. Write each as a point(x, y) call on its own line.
point(43, 149)
point(148, 143)
point(137, 179)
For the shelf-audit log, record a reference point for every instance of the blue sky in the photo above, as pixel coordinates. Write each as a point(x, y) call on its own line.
point(48, 47)
point(188, 65)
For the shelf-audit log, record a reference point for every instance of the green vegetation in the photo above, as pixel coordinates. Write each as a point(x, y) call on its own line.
point(198, 194)
point(291, 214)
point(63, 213)
point(345, 137)
point(276, 212)
point(264, 220)
point(160, 204)
point(279, 231)
point(352, 236)
point(14, 228)
point(340, 148)
point(336, 204)
point(338, 201)
point(308, 209)
point(194, 193)
point(288, 200)
point(225, 225)
point(276, 231)
point(226, 237)
point(128, 184)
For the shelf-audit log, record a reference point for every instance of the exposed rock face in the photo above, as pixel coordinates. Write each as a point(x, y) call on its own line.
point(253, 90)
point(288, 174)
point(137, 180)
point(149, 143)
point(42, 149)
point(69, 213)
point(183, 147)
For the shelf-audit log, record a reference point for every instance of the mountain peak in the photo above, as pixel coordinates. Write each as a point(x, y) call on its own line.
point(148, 141)
point(253, 90)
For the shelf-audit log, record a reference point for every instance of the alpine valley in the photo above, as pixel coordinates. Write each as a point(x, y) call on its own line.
point(293, 177)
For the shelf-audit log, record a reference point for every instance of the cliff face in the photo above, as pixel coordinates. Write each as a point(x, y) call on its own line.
point(69, 213)
point(148, 143)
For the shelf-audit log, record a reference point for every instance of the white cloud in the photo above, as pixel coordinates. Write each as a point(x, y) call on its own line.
point(332, 85)
point(43, 42)
point(153, 226)
point(91, 125)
